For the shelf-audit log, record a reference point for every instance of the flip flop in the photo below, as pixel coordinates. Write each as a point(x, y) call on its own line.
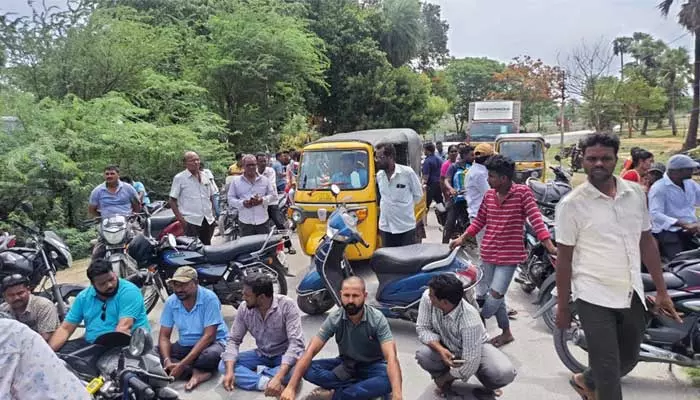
point(582, 391)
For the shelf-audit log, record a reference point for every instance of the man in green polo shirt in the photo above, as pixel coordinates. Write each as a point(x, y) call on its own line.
point(367, 366)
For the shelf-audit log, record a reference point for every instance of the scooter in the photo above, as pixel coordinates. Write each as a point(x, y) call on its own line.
point(403, 272)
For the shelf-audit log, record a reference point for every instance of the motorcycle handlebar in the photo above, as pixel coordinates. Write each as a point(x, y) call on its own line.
point(139, 386)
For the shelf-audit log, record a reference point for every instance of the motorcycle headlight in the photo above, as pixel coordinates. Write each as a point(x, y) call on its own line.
point(140, 343)
point(535, 174)
point(114, 238)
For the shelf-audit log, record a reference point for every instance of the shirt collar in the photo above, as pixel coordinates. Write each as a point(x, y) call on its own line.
point(119, 185)
point(199, 301)
point(593, 193)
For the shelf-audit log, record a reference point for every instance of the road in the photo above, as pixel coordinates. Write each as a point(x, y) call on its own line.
point(569, 137)
point(540, 373)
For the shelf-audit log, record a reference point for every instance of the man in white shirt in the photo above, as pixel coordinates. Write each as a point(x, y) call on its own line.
point(400, 189)
point(604, 233)
point(252, 193)
point(191, 199)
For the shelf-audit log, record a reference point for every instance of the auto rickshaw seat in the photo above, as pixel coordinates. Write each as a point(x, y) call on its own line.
point(406, 260)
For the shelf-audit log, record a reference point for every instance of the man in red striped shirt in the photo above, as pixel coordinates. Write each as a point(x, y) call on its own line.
point(502, 213)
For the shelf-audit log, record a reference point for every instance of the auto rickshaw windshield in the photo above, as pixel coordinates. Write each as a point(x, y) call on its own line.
point(348, 169)
point(522, 150)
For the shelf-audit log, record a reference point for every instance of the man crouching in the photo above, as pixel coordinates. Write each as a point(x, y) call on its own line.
point(455, 342)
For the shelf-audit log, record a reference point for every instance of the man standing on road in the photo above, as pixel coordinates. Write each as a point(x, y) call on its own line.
point(252, 193)
point(368, 366)
point(274, 321)
point(113, 197)
point(110, 304)
point(431, 175)
point(477, 184)
point(455, 180)
point(672, 202)
point(192, 199)
point(280, 166)
point(502, 213)
point(37, 312)
point(455, 342)
point(273, 209)
point(400, 190)
point(603, 232)
point(196, 313)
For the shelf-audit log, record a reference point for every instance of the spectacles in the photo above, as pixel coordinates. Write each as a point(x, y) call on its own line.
point(104, 311)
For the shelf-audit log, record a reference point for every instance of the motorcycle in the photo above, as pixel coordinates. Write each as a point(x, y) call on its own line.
point(403, 272)
point(7, 241)
point(575, 154)
point(45, 253)
point(220, 268)
point(665, 340)
point(550, 193)
point(539, 264)
point(228, 221)
point(118, 366)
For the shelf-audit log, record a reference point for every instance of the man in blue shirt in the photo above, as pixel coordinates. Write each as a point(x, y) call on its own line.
point(431, 175)
point(672, 202)
point(113, 197)
point(110, 304)
point(196, 313)
point(280, 166)
point(455, 185)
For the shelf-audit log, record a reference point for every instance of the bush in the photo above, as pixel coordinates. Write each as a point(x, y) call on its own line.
point(78, 241)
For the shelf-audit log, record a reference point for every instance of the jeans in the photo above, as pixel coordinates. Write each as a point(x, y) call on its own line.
point(455, 212)
point(207, 360)
point(495, 368)
point(613, 337)
point(496, 279)
point(398, 239)
point(371, 379)
point(73, 345)
point(253, 371)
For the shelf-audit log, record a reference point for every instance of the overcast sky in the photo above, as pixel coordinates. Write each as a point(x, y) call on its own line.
point(503, 29)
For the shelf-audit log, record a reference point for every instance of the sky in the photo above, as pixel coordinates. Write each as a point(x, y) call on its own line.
point(546, 29)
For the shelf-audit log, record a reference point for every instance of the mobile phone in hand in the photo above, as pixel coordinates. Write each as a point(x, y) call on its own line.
point(457, 362)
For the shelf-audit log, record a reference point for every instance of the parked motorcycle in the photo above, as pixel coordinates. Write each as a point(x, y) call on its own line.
point(45, 253)
point(228, 221)
point(118, 366)
point(548, 194)
point(665, 340)
point(7, 241)
point(220, 268)
point(403, 272)
point(539, 264)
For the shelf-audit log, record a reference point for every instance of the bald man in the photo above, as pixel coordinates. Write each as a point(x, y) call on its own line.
point(192, 199)
point(367, 366)
point(252, 193)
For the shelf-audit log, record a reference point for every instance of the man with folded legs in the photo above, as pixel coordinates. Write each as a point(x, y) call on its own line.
point(367, 367)
point(196, 313)
point(455, 342)
point(274, 321)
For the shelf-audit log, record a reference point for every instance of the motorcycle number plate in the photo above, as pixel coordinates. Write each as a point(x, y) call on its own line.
point(95, 385)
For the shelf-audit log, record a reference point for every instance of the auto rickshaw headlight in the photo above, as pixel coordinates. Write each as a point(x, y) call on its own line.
point(322, 214)
point(359, 215)
point(535, 174)
point(297, 216)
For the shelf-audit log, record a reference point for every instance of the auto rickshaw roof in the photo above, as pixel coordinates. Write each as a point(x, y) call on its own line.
point(520, 136)
point(405, 138)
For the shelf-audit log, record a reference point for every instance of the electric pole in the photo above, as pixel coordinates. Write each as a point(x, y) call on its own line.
point(562, 87)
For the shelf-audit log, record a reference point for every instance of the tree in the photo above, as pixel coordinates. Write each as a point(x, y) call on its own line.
point(689, 18)
point(637, 96)
point(472, 80)
point(602, 107)
point(621, 46)
point(433, 51)
point(675, 75)
point(531, 81)
point(402, 33)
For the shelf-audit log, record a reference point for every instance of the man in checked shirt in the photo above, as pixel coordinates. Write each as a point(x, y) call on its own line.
point(455, 342)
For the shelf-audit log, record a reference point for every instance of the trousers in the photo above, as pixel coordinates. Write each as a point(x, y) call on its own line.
point(371, 379)
point(207, 360)
point(496, 279)
point(253, 371)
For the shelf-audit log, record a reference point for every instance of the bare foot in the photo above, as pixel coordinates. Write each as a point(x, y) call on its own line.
point(320, 394)
point(502, 340)
point(483, 393)
point(197, 378)
point(444, 384)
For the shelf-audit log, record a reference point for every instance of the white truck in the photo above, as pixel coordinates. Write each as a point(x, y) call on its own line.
point(488, 119)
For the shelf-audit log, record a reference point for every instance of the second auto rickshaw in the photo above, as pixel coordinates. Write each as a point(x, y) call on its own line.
point(528, 152)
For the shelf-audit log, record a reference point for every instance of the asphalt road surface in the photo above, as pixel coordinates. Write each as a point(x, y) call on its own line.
point(540, 373)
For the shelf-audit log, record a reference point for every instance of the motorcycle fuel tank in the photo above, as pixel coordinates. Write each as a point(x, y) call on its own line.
point(16, 262)
point(175, 258)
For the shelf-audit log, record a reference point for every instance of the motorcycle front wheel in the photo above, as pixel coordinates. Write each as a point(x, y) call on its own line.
point(315, 303)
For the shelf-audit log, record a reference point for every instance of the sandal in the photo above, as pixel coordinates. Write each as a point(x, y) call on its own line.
point(582, 391)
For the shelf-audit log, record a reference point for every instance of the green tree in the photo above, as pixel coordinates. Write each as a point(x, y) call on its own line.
point(675, 75)
point(621, 46)
point(403, 33)
point(637, 96)
point(601, 107)
point(472, 80)
point(433, 51)
point(689, 18)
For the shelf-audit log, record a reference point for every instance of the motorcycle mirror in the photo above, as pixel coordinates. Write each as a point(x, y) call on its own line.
point(557, 158)
point(171, 241)
point(547, 145)
point(141, 343)
point(335, 189)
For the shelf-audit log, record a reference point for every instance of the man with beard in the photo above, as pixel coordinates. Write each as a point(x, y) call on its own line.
point(37, 312)
point(672, 202)
point(604, 234)
point(400, 189)
point(110, 304)
point(196, 313)
point(274, 321)
point(367, 367)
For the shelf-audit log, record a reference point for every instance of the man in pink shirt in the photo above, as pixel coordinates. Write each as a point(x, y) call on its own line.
point(451, 158)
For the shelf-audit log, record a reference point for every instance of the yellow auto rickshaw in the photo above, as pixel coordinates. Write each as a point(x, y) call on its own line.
point(528, 152)
point(347, 160)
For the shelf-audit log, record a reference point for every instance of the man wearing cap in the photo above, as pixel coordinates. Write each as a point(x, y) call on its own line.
point(672, 202)
point(37, 312)
point(196, 313)
point(478, 182)
point(655, 173)
point(455, 181)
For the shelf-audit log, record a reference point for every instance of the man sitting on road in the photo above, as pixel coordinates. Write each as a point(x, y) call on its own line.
point(274, 321)
point(196, 313)
point(36, 312)
point(367, 366)
point(672, 202)
point(110, 304)
point(455, 342)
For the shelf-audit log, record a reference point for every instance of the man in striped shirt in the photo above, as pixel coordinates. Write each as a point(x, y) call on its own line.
point(502, 213)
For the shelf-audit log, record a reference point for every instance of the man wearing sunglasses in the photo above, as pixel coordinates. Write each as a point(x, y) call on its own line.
point(37, 312)
point(110, 304)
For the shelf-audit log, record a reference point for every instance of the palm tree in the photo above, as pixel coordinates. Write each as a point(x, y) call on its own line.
point(404, 33)
point(689, 18)
point(674, 73)
point(621, 46)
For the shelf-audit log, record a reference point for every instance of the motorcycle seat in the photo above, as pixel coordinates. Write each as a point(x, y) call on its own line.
point(549, 192)
point(223, 253)
point(672, 282)
point(160, 221)
point(407, 259)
